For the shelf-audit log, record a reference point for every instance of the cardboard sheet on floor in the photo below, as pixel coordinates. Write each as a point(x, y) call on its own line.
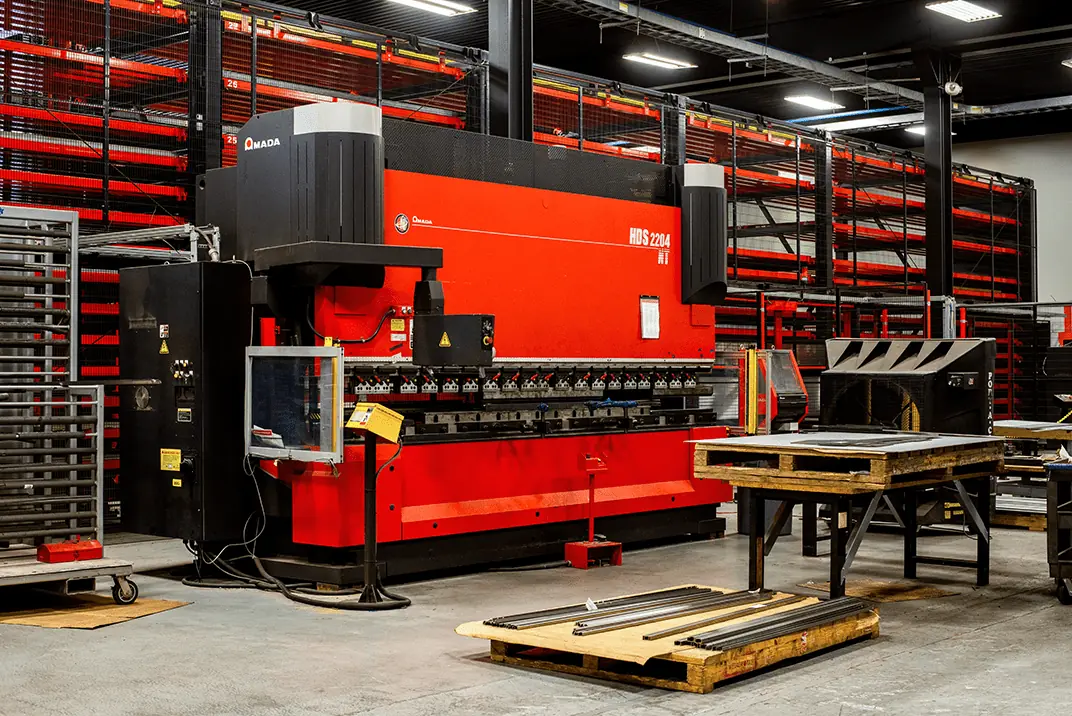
point(622, 644)
point(84, 611)
point(875, 590)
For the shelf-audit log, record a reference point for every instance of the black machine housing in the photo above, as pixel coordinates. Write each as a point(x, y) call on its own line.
point(182, 334)
point(926, 385)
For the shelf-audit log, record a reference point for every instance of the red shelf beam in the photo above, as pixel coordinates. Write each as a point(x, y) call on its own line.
point(82, 120)
point(73, 183)
point(87, 58)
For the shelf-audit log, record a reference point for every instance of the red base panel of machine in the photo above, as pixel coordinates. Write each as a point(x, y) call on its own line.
point(583, 555)
point(464, 487)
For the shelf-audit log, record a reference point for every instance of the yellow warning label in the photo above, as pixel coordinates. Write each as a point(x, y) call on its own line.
point(444, 342)
point(170, 459)
point(398, 324)
point(163, 348)
point(176, 482)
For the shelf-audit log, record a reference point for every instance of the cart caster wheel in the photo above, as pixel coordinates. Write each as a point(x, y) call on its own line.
point(125, 591)
point(1063, 595)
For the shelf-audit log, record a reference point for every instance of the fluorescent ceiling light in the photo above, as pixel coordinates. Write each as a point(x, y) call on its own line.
point(963, 10)
point(881, 122)
point(814, 102)
point(439, 7)
point(667, 63)
point(646, 148)
point(1067, 63)
point(918, 129)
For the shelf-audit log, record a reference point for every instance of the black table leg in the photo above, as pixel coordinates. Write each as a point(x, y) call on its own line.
point(909, 517)
point(809, 543)
point(839, 538)
point(982, 546)
point(755, 540)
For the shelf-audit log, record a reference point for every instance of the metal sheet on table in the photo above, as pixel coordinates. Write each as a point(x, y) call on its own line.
point(878, 444)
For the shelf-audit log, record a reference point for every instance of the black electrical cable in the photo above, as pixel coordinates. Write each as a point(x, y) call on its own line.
point(531, 567)
point(309, 321)
point(297, 592)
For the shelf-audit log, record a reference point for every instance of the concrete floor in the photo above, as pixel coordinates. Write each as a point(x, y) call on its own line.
point(996, 650)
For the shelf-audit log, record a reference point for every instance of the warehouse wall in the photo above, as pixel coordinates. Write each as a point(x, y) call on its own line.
point(1044, 159)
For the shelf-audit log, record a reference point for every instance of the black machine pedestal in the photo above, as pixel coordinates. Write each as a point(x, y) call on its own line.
point(373, 594)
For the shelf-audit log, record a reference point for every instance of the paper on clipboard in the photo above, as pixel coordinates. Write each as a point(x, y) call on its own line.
point(649, 317)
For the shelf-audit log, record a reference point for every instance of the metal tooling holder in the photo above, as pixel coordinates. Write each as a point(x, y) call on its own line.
point(161, 244)
point(51, 433)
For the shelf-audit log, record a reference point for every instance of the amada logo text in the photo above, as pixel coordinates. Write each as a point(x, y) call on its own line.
point(260, 143)
point(401, 223)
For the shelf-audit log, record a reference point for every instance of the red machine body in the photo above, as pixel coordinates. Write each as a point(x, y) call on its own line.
point(564, 275)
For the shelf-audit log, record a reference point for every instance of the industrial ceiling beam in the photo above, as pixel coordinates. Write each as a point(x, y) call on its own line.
point(705, 39)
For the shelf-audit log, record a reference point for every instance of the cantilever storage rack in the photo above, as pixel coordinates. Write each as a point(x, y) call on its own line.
point(111, 107)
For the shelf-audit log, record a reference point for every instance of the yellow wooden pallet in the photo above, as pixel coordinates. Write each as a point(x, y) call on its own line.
point(794, 462)
point(624, 656)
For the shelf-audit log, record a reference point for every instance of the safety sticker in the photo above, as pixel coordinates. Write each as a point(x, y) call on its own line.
point(177, 482)
point(163, 348)
point(170, 459)
point(444, 342)
point(398, 325)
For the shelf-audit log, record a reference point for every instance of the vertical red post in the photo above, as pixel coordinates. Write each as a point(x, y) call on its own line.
point(885, 323)
point(267, 326)
point(777, 330)
point(591, 507)
point(962, 331)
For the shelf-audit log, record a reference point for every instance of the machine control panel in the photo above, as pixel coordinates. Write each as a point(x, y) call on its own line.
point(182, 371)
point(964, 381)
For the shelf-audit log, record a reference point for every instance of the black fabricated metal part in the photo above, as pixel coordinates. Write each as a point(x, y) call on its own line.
point(453, 340)
point(203, 309)
point(877, 382)
point(315, 263)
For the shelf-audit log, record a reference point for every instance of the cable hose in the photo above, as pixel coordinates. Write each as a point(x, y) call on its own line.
point(531, 567)
point(399, 602)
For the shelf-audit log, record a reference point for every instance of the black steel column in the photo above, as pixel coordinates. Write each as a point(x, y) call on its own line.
point(510, 68)
point(824, 216)
point(205, 140)
point(809, 539)
point(937, 69)
point(756, 527)
point(476, 96)
point(841, 507)
point(908, 516)
point(106, 139)
point(673, 130)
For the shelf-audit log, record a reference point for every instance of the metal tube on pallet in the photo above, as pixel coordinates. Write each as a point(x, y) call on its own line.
point(609, 611)
point(33, 327)
point(6, 280)
point(13, 343)
point(582, 609)
point(747, 611)
point(784, 629)
point(20, 231)
point(17, 248)
point(32, 469)
point(46, 500)
point(33, 312)
point(647, 616)
point(805, 615)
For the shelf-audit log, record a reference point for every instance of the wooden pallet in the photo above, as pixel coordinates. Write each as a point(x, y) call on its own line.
point(1032, 522)
point(623, 656)
point(786, 462)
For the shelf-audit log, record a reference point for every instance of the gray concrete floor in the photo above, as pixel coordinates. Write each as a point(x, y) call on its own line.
point(997, 650)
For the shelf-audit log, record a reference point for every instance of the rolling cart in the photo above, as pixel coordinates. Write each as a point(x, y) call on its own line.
point(1059, 527)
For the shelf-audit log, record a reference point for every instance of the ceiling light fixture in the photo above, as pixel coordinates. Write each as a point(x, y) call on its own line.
point(918, 129)
point(667, 63)
point(814, 102)
point(1067, 63)
point(963, 10)
point(448, 8)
